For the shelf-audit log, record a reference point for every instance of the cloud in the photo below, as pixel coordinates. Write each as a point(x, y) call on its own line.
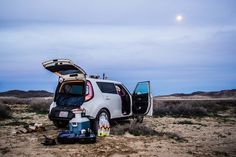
point(122, 12)
point(154, 44)
point(161, 54)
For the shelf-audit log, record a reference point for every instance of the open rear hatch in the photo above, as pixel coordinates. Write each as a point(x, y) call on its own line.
point(71, 89)
point(65, 69)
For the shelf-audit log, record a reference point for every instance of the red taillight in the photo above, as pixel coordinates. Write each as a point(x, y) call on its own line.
point(89, 91)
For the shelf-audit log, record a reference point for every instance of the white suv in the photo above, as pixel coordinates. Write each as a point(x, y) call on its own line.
point(97, 96)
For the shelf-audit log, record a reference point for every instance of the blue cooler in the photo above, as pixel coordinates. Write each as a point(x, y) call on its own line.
point(76, 127)
point(78, 123)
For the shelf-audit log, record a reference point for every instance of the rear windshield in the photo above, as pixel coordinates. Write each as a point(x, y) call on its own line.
point(64, 69)
point(71, 94)
point(72, 89)
point(66, 72)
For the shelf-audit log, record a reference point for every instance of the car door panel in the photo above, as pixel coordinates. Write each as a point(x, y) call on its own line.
point(113, 102)
point(142, 99)
point(111, 98)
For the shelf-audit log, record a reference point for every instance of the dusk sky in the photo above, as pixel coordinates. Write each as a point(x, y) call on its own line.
point(130, 41)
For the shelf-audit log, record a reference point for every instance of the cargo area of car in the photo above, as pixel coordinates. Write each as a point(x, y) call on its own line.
point(70, 94)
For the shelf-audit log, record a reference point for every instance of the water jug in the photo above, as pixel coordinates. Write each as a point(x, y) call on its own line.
point(104, 126)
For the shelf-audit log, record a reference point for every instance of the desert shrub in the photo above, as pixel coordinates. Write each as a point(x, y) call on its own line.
point(188, 122)
point(184, 122)
point(174, 136)
point(138, 129)
point(15, 100)
point(142, 130)
point(135, 129)
point(192, 108)
point(16, 123)
point(219, 105)
point(234, 112)
point(179, 108)
point(39, 105)
point(5, 111)
point(120, 129)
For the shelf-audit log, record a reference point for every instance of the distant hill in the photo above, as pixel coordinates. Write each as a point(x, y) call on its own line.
point(215, 94)
point(26, 94)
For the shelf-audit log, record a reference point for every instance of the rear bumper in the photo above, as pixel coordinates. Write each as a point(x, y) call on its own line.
point(54, 114)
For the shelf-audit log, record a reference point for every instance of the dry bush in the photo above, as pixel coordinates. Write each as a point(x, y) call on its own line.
point(142, 130)
point(188, 122)
point(120, 129)
point(184, 122)
point(234, 112)
point(5, 111)
point(192, 108)
point(39, 105)
point(15, 100)
point(174, 136)
point(135, 129)
point(218, 105)
point(139, 129)
point(179, 108)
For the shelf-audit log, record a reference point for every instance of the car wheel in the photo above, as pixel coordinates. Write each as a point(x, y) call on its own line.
point(95, 125)
point(60, 124)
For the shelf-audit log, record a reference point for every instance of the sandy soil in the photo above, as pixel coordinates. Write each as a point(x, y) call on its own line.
point(203, 137)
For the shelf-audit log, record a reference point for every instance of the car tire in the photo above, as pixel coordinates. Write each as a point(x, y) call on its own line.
point(60, 124)
point(95, 122)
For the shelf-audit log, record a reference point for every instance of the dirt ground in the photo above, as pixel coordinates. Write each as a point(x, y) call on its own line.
point(209, 136)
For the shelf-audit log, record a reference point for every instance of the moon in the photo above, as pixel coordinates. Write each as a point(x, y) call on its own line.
point(179, 18)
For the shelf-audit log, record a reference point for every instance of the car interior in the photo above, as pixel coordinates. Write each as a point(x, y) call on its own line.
point(71, 94)
point(140, 98)
point(125, 98)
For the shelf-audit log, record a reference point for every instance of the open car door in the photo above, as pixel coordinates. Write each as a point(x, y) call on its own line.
point(65, 69)
point(142, 100)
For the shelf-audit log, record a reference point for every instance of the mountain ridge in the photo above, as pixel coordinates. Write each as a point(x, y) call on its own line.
point(26, 94)
point(44, 93)
point(213, 94)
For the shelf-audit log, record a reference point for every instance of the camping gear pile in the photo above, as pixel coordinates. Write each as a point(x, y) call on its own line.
point(79, 130)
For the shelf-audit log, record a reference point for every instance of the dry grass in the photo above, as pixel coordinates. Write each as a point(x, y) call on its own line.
point(134, 129)
point(39, 105)
point(189, 122)
point(191, 108)
point(14, 100)
point(184, 122)
point(139, 129)
point(182, 109)
point(5, 111)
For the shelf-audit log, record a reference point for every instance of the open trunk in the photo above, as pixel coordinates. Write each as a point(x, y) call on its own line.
point(70, 94)
point(71, 88)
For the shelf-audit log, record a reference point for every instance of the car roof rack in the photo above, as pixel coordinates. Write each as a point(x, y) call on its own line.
point(94, 76)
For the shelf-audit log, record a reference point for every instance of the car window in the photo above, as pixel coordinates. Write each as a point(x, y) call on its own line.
point(106, 87)
point(66, 72)
point(77, 89)
point(142, 88)
point(72, 88)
